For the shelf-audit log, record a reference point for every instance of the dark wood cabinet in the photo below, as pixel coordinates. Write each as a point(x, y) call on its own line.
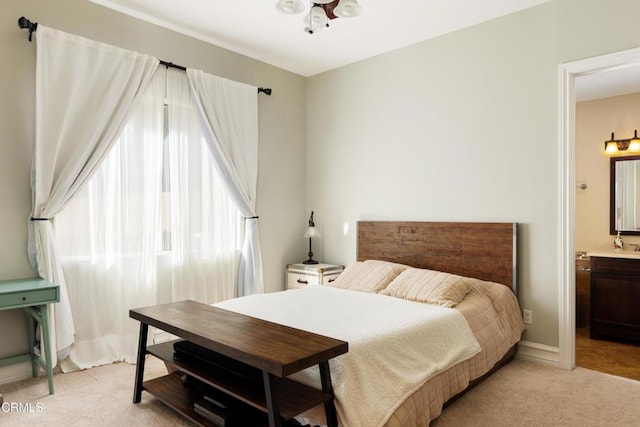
point(583, 292)
point(615, 298)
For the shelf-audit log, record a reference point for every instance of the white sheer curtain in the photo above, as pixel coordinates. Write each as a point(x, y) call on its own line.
point(154, 224)
point(110, 238)
point(229, 114)
point(85, 91)
point(205, 222)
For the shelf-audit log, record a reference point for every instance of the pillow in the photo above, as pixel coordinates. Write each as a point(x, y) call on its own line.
point(433, 287)
point(368, 276)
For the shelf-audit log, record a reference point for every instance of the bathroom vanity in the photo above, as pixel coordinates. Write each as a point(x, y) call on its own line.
point(583, 289)
point(615, 295)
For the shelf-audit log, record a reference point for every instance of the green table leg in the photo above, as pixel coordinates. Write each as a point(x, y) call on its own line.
point(31, 325)
point(44, 323)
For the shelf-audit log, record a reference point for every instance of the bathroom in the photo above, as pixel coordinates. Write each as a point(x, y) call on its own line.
point(616, 351)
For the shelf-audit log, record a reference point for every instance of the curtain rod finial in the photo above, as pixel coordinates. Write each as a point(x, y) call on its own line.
point(25, 23)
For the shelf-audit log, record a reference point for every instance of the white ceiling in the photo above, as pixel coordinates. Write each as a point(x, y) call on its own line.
point(615, 81)
point(254, 28)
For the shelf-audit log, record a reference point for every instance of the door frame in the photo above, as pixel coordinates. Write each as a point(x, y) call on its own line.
point(566, 302)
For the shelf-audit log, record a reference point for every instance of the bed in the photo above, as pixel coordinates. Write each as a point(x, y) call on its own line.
point(410, 279)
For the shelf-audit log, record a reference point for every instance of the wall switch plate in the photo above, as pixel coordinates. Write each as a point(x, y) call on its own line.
point(527, 316)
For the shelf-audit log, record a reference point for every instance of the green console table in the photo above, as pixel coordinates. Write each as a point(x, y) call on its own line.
point(31, 295)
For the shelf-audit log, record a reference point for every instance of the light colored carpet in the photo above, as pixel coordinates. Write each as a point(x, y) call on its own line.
point(529, 394)
point(99, 396)
point(520, 394)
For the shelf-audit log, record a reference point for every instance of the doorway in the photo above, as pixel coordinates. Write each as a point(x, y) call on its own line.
point(606, 70)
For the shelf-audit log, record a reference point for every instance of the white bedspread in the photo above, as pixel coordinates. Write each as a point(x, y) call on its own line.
point(395, 345)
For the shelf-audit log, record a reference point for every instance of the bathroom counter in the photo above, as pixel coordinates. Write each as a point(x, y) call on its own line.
point(613, 254)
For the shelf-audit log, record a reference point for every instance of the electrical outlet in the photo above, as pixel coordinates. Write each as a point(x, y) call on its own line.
point(527, 316)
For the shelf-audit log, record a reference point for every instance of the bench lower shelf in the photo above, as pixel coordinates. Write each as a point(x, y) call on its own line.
point(170, 390)
point(293, 397)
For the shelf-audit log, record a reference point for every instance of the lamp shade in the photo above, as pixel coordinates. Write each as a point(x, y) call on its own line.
point(317, 18)
point(290, 7)
point(611, 146)
point(311, 232)
point(634, 143)
point(347, 9)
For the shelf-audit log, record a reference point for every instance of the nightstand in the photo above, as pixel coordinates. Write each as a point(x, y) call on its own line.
point(301, 275)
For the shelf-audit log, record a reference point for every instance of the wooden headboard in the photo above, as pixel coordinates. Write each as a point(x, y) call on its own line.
point(486, 251)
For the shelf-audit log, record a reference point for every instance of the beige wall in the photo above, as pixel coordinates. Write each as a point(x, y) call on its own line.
point(281, 201)
point(595, 120)
point(464, 127)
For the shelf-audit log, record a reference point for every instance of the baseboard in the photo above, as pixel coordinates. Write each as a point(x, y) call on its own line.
point(539, 353)
point(14, 373)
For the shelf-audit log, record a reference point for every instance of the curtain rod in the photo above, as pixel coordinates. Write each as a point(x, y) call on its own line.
point(33, 26)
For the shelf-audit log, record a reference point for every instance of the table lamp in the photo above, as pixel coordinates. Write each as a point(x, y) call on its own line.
point(311, 232)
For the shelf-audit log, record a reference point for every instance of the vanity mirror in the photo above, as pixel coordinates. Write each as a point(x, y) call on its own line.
point(624, 213)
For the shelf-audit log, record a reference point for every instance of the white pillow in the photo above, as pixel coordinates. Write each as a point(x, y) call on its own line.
point(430, 286)
point(368, 276)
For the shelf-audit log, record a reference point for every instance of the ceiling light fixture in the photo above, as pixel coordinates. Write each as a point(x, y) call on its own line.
point(320, 11)
point(615, 146)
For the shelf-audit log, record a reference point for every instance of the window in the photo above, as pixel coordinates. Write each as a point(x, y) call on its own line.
point(154, 224)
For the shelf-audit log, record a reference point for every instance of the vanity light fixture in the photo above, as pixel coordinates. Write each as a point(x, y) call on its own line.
point(320, 11)
point(615, 146)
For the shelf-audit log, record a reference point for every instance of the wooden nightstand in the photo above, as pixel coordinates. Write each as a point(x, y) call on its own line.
point(301, 275)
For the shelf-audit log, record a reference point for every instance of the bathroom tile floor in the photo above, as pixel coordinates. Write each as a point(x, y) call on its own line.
point(612, 357)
